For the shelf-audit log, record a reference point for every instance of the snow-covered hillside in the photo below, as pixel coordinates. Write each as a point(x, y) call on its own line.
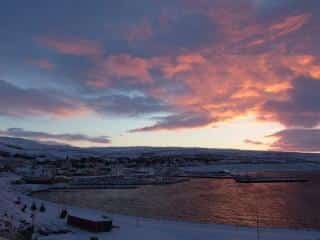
point(12, 146)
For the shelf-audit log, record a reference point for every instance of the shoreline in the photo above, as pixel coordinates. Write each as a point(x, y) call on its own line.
point(189, 230)
point(182, 221)
point(149, 228)
point(266, 221)
point(145, 228)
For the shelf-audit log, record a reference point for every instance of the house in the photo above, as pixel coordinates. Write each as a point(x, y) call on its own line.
point(2, 167)
point(39, 175)
point(90, 223)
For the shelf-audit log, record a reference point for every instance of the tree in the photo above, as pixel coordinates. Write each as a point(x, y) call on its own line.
point(33, 207)
point(42, 208)
point(63, 214)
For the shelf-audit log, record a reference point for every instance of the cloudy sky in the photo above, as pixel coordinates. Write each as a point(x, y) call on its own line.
point(209, 73)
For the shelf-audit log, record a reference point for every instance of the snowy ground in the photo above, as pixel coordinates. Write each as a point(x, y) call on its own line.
point(134, 228)
point(131, 228)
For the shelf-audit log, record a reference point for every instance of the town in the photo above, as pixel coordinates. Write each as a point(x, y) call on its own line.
point(41, 168)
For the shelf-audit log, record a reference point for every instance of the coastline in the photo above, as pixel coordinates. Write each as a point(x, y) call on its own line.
point(146, 228)
point(131, 227)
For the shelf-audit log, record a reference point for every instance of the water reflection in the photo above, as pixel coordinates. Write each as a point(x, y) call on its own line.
point(220, 201)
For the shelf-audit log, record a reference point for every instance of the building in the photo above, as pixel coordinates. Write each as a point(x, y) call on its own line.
point(90, 223)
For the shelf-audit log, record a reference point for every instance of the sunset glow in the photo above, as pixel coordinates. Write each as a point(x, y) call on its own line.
point(207, 73)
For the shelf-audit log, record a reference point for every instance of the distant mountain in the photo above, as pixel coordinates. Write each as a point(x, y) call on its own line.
point(30, 147)
point(22, 143)
point(54, 151)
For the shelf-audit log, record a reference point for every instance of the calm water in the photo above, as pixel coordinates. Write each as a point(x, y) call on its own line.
point(294, 205)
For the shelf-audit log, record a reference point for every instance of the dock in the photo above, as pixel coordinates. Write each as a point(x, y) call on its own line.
point(268, 179)
point(206, 174)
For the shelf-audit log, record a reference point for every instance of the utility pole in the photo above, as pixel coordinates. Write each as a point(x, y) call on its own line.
point(258, 220)
point(258, 227)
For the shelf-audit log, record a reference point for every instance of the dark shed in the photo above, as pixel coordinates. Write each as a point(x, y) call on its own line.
point(89, 223)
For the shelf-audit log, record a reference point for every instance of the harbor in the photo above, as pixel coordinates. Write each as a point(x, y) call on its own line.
point(210, 200)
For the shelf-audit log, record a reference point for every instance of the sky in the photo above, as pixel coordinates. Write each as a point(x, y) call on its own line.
point(203, 73)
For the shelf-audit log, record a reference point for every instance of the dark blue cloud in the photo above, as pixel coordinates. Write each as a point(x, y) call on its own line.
point(189, 31)
point(65, 137)
point(25, 102)
point(304, 140)
point(127, 105)
point(302, 108)
point(21, 102)
point(179, 121)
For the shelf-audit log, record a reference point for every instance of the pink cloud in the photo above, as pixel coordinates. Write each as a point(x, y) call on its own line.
point(221, 80)
point(223, 85)
point(139, 31)
point(183, 63)
point(289, 24)
point(72, 46)
point(119, 67)
point(42, 63)
point(217, 87)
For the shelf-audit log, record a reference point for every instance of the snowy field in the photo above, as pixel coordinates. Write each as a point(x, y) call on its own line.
point(143, 229)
